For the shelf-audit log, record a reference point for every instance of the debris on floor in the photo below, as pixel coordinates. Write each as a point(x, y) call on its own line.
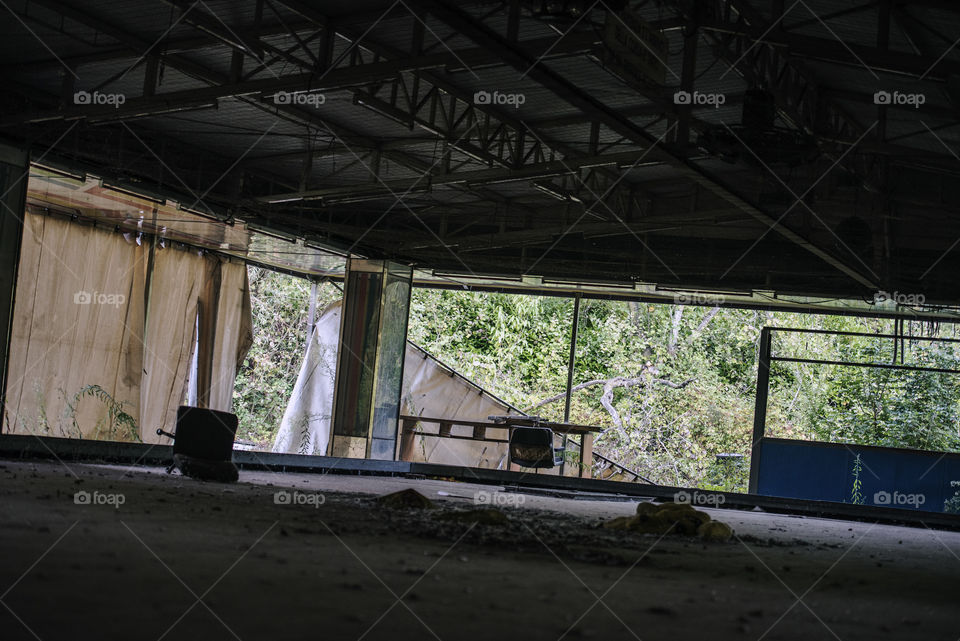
point(205, 470)
point(484, 516)
point(679, 518)
point(405, 499)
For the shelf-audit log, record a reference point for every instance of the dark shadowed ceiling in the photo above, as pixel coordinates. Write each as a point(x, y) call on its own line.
point(796, 148)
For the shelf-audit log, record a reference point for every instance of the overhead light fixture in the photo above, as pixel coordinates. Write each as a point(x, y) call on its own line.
point(290, 238)
point(383, 111)
point(553, 192)
point(476, 276)
point(123, 188)
point(204, 213)
point(579, 284)
point(106, 117)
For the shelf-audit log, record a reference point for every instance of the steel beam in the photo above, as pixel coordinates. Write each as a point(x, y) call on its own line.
point(565, 90)
point(833, 51)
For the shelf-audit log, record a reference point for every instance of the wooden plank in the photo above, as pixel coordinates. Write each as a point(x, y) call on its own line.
point(407, 438)
point(586, 456)
point(560, 428)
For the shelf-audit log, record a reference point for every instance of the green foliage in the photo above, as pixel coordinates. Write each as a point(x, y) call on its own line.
point(952, 505)
point(117, 425)
point(856, 496)
point(280, 306)
point(871, 406)
point(630, 358)
point(517, 347)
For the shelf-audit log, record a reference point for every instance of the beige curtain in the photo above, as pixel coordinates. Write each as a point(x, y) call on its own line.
point(429, 390)
point(81, 320)
point(78, 322)
point(175, 284)
point(233, 336)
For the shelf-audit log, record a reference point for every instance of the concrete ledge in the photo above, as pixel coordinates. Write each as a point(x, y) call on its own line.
point(15, 446)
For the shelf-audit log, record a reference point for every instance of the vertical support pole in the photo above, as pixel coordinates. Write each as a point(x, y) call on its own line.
point(408, 439)
point(760, 410)
point(369, 379)
point(513, 20)
point(571, 360)
point(14, 169)
point(574, 326)
point(883, 24)
point(312, 312)
point(691, 39)
point(325, 48)
point(151, 75)
point(236, 66)
point(586, 455)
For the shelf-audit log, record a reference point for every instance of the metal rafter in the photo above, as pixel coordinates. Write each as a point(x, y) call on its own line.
point(565, 90)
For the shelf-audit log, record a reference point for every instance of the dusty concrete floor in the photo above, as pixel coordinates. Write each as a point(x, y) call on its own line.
point(186, 560)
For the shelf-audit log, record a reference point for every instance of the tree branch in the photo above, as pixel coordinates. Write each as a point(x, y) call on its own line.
point(675, 333)
point(706, 321)
point(557, 397)
point(617, 381)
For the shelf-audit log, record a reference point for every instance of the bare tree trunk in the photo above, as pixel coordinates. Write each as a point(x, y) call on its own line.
point(675, 332)
point(606, 399)
point(610, 384)
point(706, 321)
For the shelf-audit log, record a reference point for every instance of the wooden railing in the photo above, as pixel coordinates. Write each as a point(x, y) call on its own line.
point(479, 433)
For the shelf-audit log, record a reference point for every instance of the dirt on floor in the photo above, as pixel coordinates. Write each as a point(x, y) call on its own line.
point(104, 552)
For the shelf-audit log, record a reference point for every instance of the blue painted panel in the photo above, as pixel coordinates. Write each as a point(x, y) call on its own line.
point(889, 477)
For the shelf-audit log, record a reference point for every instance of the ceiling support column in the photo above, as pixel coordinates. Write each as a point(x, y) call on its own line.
point(14, 169)
point(373, 336)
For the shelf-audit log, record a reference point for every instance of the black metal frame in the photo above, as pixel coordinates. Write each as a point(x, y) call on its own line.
point(765, 358)
point(11, 236)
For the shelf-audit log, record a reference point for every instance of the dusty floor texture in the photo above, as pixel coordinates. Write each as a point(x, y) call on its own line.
point(179, 559)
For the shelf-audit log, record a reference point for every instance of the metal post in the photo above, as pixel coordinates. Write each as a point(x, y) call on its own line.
point(312, 312)
point(691, 41)
point(13, 181)
point(760, 410)
point(369, 378)
point(570, 368)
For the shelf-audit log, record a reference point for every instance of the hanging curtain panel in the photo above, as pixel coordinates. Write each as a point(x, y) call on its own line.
point(100, 348)
point(175, 285)
point(77, 331)
point(429, 389)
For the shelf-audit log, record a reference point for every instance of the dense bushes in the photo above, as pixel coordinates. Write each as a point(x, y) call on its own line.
point(675, 386)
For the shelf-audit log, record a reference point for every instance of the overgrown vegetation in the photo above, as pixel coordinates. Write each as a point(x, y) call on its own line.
point(116, 425)
point(280, 306)
point(673, 386)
